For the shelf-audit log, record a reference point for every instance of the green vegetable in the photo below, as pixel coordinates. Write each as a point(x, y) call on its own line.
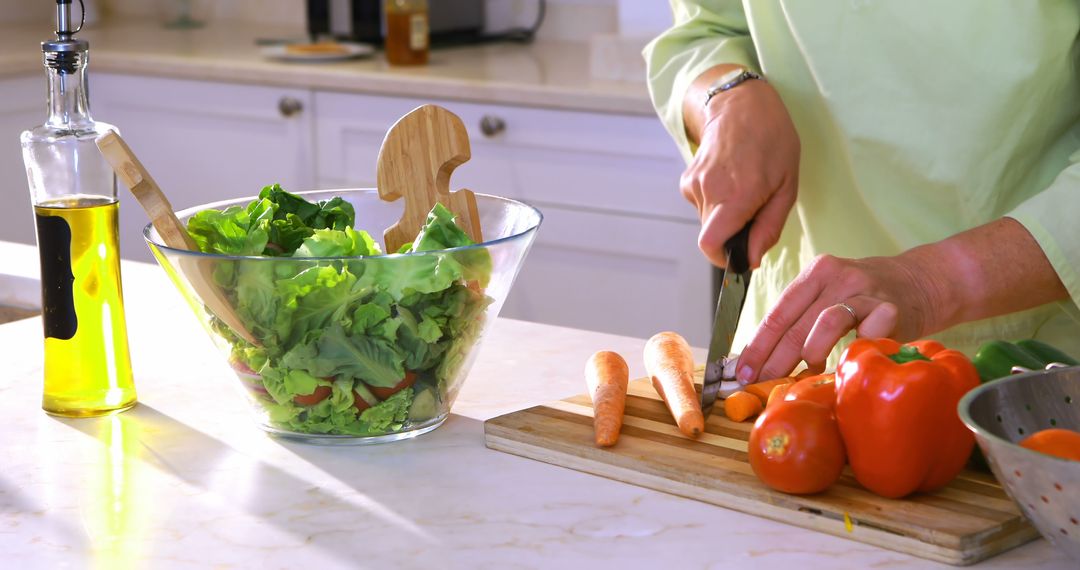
point(424, 406)
point(275, 224)
point(995, 359)
point(349, 324)
point(1046, 352)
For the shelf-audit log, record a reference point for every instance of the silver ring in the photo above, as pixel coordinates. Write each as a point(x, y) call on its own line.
point(850, 311)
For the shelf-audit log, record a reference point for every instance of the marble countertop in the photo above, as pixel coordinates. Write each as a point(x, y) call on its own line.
point(186, 480)
point(546, 74)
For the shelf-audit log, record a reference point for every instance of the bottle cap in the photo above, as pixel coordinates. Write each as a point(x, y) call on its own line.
point(64, 52)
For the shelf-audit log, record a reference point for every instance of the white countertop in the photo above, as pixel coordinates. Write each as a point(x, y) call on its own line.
point(545, 74)
point(186, 480)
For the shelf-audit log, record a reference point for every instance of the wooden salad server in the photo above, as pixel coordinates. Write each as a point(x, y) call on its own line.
point(198, 272)
point(417, 157)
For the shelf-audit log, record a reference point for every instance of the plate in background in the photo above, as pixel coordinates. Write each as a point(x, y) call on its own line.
point(336, 51)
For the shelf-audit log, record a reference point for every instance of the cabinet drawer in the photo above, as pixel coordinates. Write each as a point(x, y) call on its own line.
point(617, 163)
point(617, 274)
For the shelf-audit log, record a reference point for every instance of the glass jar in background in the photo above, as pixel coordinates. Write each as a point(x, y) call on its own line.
point(407, 32)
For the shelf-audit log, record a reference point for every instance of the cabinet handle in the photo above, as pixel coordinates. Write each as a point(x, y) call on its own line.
point(492, 126)
point(289, 106)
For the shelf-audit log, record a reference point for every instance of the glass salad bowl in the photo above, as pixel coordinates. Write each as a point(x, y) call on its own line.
point(347, 348)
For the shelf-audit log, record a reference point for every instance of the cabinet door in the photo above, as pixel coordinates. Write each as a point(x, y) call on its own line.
point(618, 274)
point(21, 107)
point(204, 142)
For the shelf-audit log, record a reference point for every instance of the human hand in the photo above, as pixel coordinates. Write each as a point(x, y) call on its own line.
point(895, 297)
point(746, 168)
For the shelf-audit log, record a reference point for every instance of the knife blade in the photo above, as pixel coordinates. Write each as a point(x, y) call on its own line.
point(729, 306)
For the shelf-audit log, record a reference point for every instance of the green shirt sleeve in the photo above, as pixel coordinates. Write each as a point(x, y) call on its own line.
point(706, 33)
point(1056, 228)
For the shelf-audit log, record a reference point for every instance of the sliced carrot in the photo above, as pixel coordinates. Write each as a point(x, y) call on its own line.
point(742, 405)
point(777, 394)
point(607, 376)
point(670, 364)
point(762, 389)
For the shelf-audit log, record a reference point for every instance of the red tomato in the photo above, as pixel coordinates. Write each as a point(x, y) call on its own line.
point(820, 389)
point(359, 402)
point(384, 393)
point(1063, 443)
point(795, 447)
point(321, 393)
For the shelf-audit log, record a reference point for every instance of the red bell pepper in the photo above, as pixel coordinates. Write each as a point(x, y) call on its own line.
point(897, 410)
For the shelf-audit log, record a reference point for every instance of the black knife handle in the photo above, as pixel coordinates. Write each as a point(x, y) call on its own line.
point(736, 249)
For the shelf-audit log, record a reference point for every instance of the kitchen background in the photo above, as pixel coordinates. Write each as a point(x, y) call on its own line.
point(564, 124)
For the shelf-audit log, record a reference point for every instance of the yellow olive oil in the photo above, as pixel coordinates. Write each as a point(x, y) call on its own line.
point(87, 363)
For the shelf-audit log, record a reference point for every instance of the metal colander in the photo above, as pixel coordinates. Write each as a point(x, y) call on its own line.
point(1046, 488)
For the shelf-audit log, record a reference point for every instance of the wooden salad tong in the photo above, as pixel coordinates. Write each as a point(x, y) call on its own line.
point(199, 272)
point(417, 157)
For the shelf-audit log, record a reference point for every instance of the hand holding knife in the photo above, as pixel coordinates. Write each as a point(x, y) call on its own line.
point(728, 308)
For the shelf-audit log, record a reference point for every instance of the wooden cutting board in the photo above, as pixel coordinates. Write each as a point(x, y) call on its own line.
point(969, 520)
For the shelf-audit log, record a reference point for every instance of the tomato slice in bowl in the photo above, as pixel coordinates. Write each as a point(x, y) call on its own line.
point(321, 393)
point(384, 393)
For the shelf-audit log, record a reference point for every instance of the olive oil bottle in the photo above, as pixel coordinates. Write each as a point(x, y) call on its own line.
point(73, 188)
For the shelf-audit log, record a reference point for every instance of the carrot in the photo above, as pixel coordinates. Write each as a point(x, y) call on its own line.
point(670, 364)
point(607, 376)
point(762, 389)
point(742, 405)
point(777, 394)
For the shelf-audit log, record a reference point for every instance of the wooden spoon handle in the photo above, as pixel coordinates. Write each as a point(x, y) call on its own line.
point(417, 157)
point(133, 174)
point(199, 272)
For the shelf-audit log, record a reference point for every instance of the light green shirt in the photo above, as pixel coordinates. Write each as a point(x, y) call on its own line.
point(918, 120)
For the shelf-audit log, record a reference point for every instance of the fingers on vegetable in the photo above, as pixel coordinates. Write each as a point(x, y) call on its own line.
point(670, 365)
point(741, 406)
point(607, 376)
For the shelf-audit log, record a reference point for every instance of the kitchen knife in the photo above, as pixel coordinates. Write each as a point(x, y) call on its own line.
point(728, 307)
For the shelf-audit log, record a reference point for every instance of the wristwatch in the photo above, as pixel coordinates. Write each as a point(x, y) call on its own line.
point(728, 81)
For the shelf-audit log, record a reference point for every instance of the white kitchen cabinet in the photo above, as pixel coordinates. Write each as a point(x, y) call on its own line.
point(22, 106)
point(205, 141)
point(617, 252)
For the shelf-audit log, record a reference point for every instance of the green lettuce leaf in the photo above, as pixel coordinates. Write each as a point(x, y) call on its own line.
point(338, 243)
point(233, 231)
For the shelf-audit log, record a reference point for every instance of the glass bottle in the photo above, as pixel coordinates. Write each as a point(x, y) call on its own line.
point(407, 32)
point(73, 189)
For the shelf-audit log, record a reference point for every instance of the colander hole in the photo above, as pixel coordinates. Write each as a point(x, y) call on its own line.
point(1020, 431)
point(1044, 499)
point(1031, 506)
point(1068, 399)
point(1058, 486)
point(998, 418)
point(1065, 532)
point(1053, 422)
point(1027, 407)
point(1074, 521)
point(1018, 473)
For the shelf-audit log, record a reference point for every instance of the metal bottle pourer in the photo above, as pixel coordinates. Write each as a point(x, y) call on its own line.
point(64, 53)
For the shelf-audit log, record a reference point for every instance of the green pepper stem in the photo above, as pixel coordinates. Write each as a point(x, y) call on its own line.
point(907, 354)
